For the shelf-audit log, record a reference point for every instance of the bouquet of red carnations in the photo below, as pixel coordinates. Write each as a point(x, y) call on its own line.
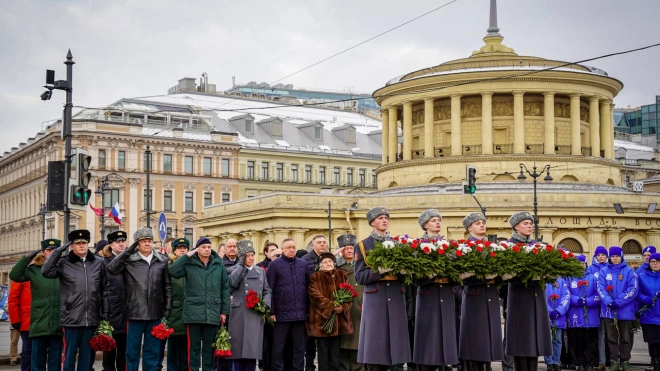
point(256, 302)
point(162, 331)
point(102, 339)
point(221, 343)
point(343, 295)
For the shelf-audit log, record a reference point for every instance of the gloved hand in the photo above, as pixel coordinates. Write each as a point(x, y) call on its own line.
point(241, 261)
point(133, 248)
point(384, 270)
point(104, 317)
point(465, 275)
point(648, 300)
point(402, 272)
point(33, 254)
point(506, 276)
point(63, 247)
point(657, 294)
point(16, 326)
point(338, 309)
point(554, 314)
point(613, 305)
point(581, 302)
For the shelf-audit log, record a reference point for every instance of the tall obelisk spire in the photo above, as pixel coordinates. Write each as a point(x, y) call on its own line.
point(493, 30)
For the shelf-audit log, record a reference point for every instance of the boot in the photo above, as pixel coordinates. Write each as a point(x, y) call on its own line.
point(614, 365)
point(601, 368)
point(581, 368)
point(626, 366)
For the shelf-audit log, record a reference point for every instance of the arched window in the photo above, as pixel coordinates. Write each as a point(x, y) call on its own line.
point(632, 247)
point(571, 244)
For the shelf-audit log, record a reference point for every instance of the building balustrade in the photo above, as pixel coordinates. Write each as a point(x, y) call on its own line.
point(534, 149)
point(471, 149)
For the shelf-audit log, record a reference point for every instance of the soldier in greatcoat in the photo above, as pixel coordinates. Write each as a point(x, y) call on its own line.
point(527, 326)
point(481, 330)
point(384, 338)
point(349, 343)
point(246, 326)
point(115, 360)
point(435, 326)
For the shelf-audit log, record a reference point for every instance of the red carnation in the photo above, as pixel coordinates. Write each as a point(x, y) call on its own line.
point(516, 249)
point(426, 249)
point(395, 238)
point(548, 248)
point(554, 296)
point(461, 241)
point(480, 249)
point(549, 245)
point(579, 283)
point(404, 241)
point(563, 255)
point(487, 243)
point(492, 254)
point(454, 244)
point(470, 243)
point(570, 254)
point(609, 288)
point(459, 253)
point(535, 251)
point(441, 252)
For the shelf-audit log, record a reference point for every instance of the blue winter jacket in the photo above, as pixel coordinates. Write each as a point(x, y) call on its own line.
point(595, 267)
point(560, 305)
point(288, 280)
point(641, 268)
point(624, 281)
point(649, 284)
point(588, 290)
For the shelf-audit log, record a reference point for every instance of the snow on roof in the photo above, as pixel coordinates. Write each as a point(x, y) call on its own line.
point(631, 146)
point(282, 142)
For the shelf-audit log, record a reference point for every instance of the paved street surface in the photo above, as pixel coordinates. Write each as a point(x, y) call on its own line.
point(640, 355)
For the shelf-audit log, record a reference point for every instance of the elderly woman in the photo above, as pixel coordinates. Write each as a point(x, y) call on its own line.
point(246, 326)
point(649, 292)
point(480, 341)
point(527, 328)
point(435, 335)
point(322, 286)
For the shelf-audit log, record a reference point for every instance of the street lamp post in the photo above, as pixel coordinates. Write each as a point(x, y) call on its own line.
point(42, 212)
point(534, 175)
point(147, 157)
point(102, 188)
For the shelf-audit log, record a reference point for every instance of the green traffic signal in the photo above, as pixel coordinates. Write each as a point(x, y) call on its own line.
point(471, 189)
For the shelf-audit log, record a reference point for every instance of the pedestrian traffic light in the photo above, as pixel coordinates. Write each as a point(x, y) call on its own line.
point(470, 187)
point(80, 192)
point(56, 187)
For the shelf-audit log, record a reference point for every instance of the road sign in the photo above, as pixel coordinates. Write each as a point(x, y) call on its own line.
point(162, 227)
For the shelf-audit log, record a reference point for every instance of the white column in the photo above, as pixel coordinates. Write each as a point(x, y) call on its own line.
point(456, 143)
point(487, 122)
point(549, 111)
point(407, 131)
point(594, 127)
point(385, 117)
point(428, 128)
point(393, 134)
point(576, 143)
point(605, 133)
point(518, 123)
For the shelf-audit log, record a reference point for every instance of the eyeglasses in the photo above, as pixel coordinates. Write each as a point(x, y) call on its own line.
point(277, 255)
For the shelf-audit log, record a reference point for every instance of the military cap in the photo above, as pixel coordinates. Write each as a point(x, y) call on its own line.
point(143, 234)
point(471, 218)
point(51, 243)
point(101, 244)
point(326, 255)
point(346, 240)
point(244, 247)
point(79, 235)
point(375, 212)
point(117, 236)
point(427, 215)
point(518, 217)
point(179, 242)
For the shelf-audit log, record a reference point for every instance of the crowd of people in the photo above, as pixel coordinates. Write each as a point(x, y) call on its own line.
point(60, 294)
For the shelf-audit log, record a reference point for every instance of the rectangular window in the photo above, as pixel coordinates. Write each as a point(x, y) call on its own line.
point(145, 199)
point(317, 132)
point(101, 159)
point(225, 197)
point(349, 176)
point(167, 200)
point(373, 178)
point(110, 198)
point(167, 163)
point(362, 177)
point(248, 126)
point(188, 165)
point(279, 171)
point(225, 167)
point(264, 171)
point(207, 165)
point(188, 234)
point(208, 198)
point(121, 159)
point(294, 173)
point(250, 169)
point(308, 174)
point(336, 177)
point(322, 174)
point(189, 202)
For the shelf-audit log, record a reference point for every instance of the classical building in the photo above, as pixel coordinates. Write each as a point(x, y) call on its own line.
point(495, 110)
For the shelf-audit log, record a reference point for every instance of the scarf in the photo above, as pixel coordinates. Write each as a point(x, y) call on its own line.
point(521, 238)
point(380, 237)
point(472, 238)
point(425, 236)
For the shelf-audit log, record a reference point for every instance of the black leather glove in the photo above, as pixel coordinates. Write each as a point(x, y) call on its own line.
point(16, 326)
point(103, 317)
point(241, 261)
point(63, 247)
point(33, 254)
point(133, 248)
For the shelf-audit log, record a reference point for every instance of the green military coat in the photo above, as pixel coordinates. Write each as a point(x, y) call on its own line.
point(174, 319)
point(45, 311)
point(350, 341)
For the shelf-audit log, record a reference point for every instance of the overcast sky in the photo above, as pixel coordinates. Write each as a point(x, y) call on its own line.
point(125, 49)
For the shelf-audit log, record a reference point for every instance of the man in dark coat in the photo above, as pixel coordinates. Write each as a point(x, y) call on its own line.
point(319, 246)
point(384, 339)
point(288, 278)
point(230, 258)
point(269, 247)
point(527, 326)
point(349, 343)
point(115, 360)
point(177, 356)
point(83, 296)
point(45, 330)
point(147, 299)
point(206, 303)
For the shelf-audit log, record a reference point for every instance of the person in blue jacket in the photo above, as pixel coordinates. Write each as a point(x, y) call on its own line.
point(646, 254)
point(649, 314)
point(583, 320)
point(617, 288)
point(558, 299)
point(599, 262)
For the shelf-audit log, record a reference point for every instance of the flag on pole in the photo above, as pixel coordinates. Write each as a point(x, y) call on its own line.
point(98, 212)
point(116, 214)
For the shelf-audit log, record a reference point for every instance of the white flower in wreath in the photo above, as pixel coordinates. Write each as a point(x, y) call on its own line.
point(426, 245)
point(529, 249)
point(443, 244)
point(495, 247)
point(388, 244)
point(465, 249)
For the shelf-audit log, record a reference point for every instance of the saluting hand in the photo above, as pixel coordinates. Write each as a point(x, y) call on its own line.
point(191, 253)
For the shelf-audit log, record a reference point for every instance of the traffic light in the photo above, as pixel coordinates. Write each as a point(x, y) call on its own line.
point(80, 192)
point(470, 187)
point(56, 187)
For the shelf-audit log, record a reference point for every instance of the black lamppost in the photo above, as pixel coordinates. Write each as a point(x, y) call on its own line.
point(534, 175)
point(42, 213)
point(102, 188)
